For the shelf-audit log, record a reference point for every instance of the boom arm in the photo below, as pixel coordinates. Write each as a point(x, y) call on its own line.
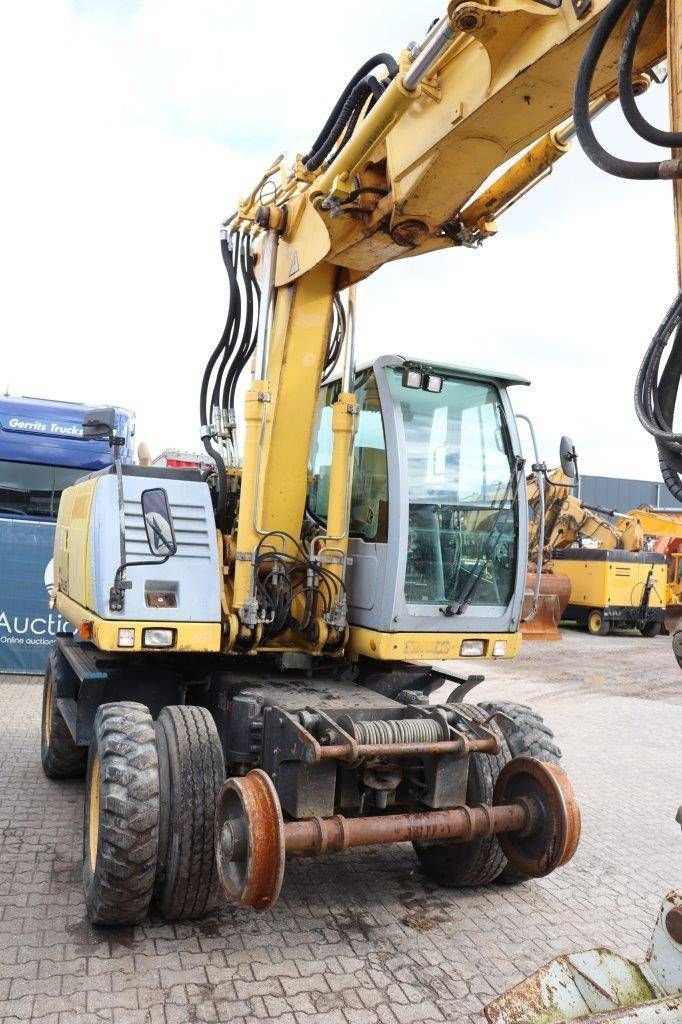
point(395, 179)
point(567, 520)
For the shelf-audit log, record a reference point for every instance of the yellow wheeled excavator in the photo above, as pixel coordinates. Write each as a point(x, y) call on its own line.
point(263, 639)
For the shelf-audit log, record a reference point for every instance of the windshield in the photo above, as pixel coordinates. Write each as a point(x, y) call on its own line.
point(28, 488)
point(462, 494)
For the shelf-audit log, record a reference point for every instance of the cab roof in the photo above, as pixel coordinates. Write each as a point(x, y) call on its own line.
point(448, 370)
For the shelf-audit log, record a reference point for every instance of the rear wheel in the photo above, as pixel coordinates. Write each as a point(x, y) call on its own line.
point(120, 823)
point(61, 758)
point(527, 735)
point(479, 861)
point(192, 772)
point(597, 625)
point(651, 629)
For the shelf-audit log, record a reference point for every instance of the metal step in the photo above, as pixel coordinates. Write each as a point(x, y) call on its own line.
point(81, 658)
point(67, 707)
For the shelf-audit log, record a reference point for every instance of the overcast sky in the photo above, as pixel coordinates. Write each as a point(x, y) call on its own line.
point(130, 128)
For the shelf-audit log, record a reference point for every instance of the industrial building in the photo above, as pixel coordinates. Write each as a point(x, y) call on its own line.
point(622, 495)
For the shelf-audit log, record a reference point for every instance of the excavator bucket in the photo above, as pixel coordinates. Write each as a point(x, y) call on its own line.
point(555, 591)
point(599, 986)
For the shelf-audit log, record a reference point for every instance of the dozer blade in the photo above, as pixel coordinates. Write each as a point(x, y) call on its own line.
point(555, 591)
point(599, 986)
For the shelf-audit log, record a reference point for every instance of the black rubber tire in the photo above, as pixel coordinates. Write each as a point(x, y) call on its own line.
point(480, 861)
point(61, 757)
point(123, 764)
point(527, 735)
point(651, 629)
point(604, 626)
point(192, 771)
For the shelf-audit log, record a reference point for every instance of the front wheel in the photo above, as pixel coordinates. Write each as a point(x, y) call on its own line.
point(120, 822)
point(479, 861)
point(597, 625)
point(651, 629)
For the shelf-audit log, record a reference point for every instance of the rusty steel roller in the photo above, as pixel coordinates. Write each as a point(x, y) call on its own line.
point(554, 831)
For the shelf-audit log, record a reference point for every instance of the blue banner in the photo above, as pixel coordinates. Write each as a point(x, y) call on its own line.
point(27, 626)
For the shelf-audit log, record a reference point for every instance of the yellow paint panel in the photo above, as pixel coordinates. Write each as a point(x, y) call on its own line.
point(193, 637)
point(424, 646)
point(72, 541)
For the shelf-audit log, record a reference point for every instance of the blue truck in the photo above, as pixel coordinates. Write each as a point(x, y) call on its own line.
point(42, 451)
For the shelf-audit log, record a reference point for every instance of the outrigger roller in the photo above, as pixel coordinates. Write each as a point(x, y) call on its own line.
point(535, 814)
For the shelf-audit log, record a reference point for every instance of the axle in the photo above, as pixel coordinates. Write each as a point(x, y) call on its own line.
point(333, 835)
point(534, 814)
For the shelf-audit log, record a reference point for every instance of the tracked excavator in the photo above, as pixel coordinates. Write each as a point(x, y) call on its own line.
point(254, 650)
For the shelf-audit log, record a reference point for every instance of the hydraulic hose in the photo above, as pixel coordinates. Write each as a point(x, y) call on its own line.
point(231, 340)
point(350, 110)
point(337, 335)
point(633, 115)
point(249, 334)
point(655, 398)
point(380, 58)
point(237, 363)
point(636, 170)
point(204, 410)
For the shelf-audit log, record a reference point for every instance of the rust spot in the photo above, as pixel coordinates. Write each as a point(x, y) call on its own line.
point(673, 924)
point(410, 233)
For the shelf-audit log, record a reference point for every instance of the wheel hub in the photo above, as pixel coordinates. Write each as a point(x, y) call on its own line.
point(48, 710)
point(93, 813)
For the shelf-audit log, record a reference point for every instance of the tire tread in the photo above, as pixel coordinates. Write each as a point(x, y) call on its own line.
point(187, 883)
point(119, 891)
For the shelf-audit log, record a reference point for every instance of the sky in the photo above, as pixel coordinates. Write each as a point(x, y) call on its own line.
point(131, 127)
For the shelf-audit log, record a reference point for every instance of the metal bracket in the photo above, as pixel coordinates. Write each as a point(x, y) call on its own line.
point(580, 7)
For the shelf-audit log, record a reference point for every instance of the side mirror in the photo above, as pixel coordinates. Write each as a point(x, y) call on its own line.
point(568, 457)
point(158, 522)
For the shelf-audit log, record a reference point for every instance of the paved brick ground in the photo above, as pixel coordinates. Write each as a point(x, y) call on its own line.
point(362, 937)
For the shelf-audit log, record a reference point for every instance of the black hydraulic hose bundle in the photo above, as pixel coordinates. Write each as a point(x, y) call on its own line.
point(282, 577)
point(361, 93)
point(656, 396)
point(228, 359)
point(634, 117)
point(647, 170)
point(656, 390)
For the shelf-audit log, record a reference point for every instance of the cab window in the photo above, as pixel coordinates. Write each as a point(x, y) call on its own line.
point(369, 496)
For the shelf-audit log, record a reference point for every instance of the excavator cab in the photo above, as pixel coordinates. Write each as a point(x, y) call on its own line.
point(438, 511)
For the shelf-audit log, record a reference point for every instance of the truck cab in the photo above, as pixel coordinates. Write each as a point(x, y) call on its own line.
point(42, 452)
